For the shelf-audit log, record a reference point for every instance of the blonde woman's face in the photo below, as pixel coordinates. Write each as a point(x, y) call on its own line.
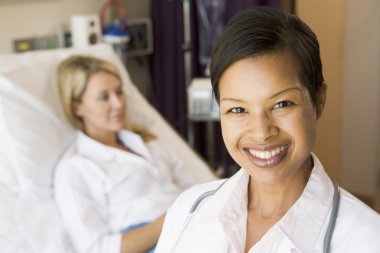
point(268, 118)
point(102, 107)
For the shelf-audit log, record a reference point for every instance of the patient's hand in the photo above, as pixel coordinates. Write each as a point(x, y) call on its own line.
point(141, 239)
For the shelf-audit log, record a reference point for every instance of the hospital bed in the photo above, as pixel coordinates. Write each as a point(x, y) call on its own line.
point(33, 136)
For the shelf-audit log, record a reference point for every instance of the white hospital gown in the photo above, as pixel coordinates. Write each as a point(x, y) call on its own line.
point(100, 190)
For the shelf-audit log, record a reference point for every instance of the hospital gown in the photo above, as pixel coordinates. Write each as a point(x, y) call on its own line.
point(100, 190)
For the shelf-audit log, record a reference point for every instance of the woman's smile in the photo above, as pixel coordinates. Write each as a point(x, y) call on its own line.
point(267, 158)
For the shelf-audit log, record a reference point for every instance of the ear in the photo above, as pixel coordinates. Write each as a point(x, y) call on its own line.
point(77, 108)
point(321, 100)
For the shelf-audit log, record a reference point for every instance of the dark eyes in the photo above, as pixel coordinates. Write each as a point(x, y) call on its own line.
point(279, 105)
point(283, 104)
point(237, 110)
point(106, 96)
point(120, 92)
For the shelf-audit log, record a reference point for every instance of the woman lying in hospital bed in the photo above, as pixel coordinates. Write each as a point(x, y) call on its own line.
point(113, 185)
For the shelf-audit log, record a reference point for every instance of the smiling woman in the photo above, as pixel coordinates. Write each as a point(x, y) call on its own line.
point(268, 117)
point(266, 74)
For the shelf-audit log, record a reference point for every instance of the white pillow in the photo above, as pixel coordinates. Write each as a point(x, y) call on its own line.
point(35, 138)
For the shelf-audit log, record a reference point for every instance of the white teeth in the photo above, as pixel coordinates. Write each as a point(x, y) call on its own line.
point(268, 153)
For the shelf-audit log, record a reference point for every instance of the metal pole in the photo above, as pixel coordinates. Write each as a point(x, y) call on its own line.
point(186, 47)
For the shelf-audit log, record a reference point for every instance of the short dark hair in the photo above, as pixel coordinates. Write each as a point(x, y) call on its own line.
point(264, 30)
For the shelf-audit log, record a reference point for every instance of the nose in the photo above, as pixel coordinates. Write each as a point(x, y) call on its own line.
point(262, 127)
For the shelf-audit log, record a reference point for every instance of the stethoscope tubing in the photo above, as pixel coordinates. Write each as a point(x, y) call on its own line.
point(333, 218)
point(330, 227)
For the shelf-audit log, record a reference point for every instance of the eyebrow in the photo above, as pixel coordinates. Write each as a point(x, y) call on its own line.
point(231, 99)
point(107, 89)
point(273, 96)
point(286, 91)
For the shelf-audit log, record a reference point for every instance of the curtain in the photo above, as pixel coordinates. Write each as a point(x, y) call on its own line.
point(167, 65)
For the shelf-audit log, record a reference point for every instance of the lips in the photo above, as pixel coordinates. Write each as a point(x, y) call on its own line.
point(118, 117)
point(269, 157)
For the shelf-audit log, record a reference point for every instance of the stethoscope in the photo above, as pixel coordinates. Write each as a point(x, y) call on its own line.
point(328, 234)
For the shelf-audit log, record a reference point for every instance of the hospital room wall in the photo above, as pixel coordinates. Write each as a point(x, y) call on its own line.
point(348, 137)
point(25, 19)
point(361, 99)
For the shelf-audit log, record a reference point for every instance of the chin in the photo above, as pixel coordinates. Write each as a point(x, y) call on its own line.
point(117, 127)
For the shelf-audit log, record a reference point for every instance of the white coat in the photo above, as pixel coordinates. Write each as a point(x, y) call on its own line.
point(219, 224)
point(100, 190)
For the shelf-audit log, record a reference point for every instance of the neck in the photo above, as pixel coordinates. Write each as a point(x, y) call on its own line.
point(272, 201)
point(106, 138)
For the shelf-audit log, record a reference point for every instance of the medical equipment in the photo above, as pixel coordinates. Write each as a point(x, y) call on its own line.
point(202, 104)
point(116, 33)
point(328, 234)
point(85, 30)
point(332, 221)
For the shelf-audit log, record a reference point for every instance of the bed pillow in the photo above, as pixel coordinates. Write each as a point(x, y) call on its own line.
point(33, 138)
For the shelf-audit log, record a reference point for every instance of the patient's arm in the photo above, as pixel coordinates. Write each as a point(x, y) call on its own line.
point(169, 165)
point(143, 238)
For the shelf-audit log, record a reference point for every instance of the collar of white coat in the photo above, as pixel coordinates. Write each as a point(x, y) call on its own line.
point(302, 224)
point(103, 153)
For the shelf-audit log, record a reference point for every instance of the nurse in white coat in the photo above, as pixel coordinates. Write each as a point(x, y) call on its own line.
point(113, 186)
point(266, 74)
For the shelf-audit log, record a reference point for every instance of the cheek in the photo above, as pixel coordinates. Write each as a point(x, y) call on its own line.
point(304, 128)
point(225, 132)
point(123, 101)
point(95, 112)
point(231, 134)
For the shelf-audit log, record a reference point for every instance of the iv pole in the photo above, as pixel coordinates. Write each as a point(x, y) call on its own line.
point(186, 47)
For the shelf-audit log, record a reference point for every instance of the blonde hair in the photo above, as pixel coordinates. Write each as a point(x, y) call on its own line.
point(73, 74)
